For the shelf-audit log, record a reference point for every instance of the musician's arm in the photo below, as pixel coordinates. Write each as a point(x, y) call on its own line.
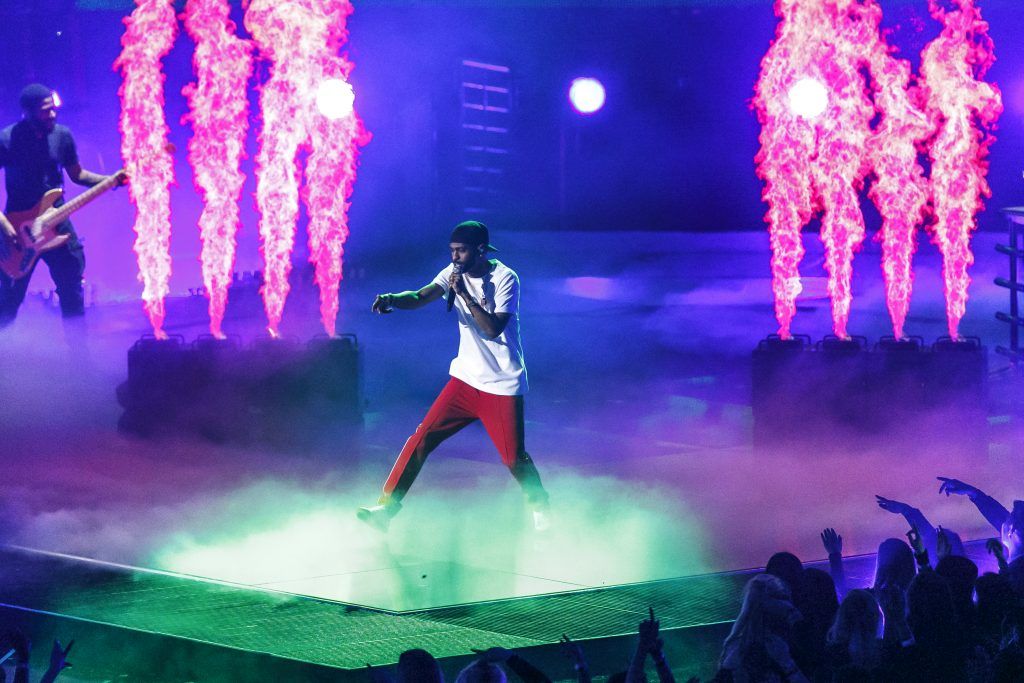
point(6, 226)
point(80, 176)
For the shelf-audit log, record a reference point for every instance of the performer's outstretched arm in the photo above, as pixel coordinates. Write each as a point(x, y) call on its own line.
point(407, 301)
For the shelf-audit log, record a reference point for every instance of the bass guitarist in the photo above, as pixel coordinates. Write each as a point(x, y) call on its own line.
point(35, 153)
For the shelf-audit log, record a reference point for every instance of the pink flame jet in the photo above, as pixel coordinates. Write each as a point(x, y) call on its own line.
point(963, 110)
point(900, 191)
point(302, 38)
point(816, 164)
point(219, 110)
point(149, 35)
point(331, 174)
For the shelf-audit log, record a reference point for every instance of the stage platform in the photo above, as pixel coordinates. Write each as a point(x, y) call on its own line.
point(171, 627)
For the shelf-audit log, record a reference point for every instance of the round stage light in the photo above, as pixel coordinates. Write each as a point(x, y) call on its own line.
point(586, 95)
point(808, 98)
point(335, 99)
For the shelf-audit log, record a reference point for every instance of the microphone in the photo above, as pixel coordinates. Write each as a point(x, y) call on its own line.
point(457, 269)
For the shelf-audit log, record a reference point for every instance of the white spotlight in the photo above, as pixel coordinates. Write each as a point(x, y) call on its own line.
point(587, 95)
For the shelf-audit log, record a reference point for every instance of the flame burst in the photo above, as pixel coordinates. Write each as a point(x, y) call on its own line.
point(149, 34)
point(900, 191)
point(219, 116)
point(302, 39)
point(814, 165)
point(963, 110)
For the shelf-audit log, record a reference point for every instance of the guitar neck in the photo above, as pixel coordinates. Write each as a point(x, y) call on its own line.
point(61, 213)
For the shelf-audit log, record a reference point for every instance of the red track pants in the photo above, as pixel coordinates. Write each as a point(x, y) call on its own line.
point(456, 406)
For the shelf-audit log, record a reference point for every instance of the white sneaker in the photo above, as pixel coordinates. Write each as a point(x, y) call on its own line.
point(379, 516)
point(541, 519)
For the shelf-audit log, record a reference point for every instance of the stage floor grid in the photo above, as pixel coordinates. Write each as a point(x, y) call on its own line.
point(349, 637)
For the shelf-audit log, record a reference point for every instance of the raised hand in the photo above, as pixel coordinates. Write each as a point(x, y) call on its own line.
point(944, 544)
point(59, 656)
point(382, 304)
point(914, 536)
point(996, 548)
point(649, 629)
point(832, 541)
point(579, 661)
point(893, 506)
point(22, 646)
point(573, 652)
point(955, 487)
point(457, 284)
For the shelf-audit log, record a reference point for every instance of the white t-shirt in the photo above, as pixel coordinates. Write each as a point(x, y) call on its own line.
point(495, 365)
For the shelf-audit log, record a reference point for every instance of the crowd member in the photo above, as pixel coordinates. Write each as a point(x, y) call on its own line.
point(939, 650)
point(928, 616)
point(961, 574)
point(757, 648)
point(818, 605)
point(575, 655)
point(1012, 536)
point(414, 666)
point(787, 567)
point(994, 613)
point(489, 661)
point(833, 543)
point(855, 639)
point(991, 509)
point(22, 647)
point(480, 671)
point(649, 644)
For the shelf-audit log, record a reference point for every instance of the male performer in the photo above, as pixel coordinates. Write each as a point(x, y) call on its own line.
point(488, 376)
point(35, 151)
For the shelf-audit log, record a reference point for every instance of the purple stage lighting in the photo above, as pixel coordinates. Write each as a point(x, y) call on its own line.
point(586, 95)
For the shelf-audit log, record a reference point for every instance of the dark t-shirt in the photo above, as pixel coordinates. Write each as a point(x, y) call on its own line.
point(34, 164)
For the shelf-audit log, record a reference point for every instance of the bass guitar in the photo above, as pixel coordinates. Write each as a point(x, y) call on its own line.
point(36, 228)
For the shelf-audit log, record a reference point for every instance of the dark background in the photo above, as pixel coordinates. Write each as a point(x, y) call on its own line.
point(672, 150)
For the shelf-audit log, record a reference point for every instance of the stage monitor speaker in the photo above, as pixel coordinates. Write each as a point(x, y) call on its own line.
point(842, 396)
point(274, 391)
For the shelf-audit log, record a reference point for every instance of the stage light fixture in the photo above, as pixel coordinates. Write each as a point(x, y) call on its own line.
point(808, 98)
point(335, 99)
point(586, 95)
